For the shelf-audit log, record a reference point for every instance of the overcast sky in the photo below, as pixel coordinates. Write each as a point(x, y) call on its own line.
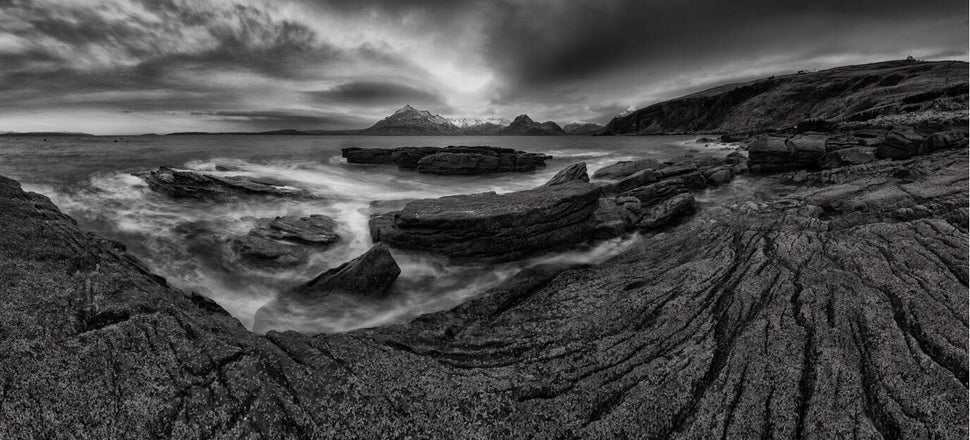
point(135, 66)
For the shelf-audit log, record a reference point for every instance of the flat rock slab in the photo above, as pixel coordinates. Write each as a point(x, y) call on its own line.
point(191, 185)
point(490, 227)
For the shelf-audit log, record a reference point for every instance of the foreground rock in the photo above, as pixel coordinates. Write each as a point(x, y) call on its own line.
point(839, 311)
point(626, 168)
point(315, 229)
point(367, 276)
point(192, 185)
point(491, 227)
point(774, 154)
point(455, 160)
point(573, 173)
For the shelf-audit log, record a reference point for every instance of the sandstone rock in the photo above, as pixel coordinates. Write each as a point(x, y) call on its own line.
point(847, 156)
point(191, 185)
point(901, 143)
point(635, 180)
point(574, 172)
point(626, 168)
point(650, 195)
point(942, 140)
point(489, 227)
point(453, 160)
point(316, 229)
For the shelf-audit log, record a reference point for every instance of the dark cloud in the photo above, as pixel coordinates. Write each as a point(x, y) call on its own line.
point(265, 120)
point(375, 93)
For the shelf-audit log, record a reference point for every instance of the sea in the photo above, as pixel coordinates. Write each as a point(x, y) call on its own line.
point(92, 179)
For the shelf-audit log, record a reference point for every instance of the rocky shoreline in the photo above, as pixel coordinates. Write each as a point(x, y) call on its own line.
point(838, 309)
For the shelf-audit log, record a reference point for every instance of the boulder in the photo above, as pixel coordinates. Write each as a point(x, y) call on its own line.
point(626, 168)
point(615, 216)
point(452, 160)
point(942, 140)
point(265, 253)
point(192, 185)
point(370, 274)
point(694, 180)
point(900, 143)
point(847, 156)
point(666, 212)
point(676, 170)
point(490, 227)
point(718, 175)
point(573, 173)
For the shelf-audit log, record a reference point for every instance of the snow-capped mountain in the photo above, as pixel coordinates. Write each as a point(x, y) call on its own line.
point(410, 121)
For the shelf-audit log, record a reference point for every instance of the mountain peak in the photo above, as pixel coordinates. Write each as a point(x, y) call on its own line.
point(407, 108)
point(522, 119)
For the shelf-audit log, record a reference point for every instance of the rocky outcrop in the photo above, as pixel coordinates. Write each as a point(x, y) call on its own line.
point(775, 154)
point(573, 173)
point(837, 311)
point(523, 125)
point(847, 156)
point(368, 276)
point(453, 160)
point(315, 229)
point(491, 227)
point(626, 168)
point(615, 216)
point(860, 94)
point(284, 242)
point(192, 185)
point(901, 143)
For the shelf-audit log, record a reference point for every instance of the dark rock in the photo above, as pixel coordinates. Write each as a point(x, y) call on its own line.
point(652, 194)
point(572, 173)
point(666, 212)
point(943, 140)
point(370, 274)
point(847, 156)
point(615, 216)
point(901, 143)
point(626, 168)
point(453, 160)
point(635, 180)
point(191, 185)
point(774, 154)
point(581, 128)
point(694, 180)
point(718, 175)
point(489, 227)
point(676, 170)
point(318, 230)
point(261, 252)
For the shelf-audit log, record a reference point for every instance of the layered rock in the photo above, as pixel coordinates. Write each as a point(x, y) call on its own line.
point(775, 154)
point(838, 311)
point(626, 168)
point(453, 160)
point(573, 173)
point(284, 242)
point(901, 143)
point(847, 156)
point(491, 227)
point(192, 185)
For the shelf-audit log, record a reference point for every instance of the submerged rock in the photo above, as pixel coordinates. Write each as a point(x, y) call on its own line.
point(367, 276)
point(453, 160)
point(491, 227)
point(192, 185)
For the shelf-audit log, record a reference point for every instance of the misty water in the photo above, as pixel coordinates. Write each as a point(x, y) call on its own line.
point(90, 178)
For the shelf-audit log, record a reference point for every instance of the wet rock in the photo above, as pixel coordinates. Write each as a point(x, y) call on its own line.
point(847, 156)
point(261, 252)
point(192, 185)
point(453, 160)
point(635, 180)
point(316, 229)
point(649, 195)
point(573, 173)
point(367, 276)
point(718, 175)
point(626, 168)
point(490, 227)
point(900, 143)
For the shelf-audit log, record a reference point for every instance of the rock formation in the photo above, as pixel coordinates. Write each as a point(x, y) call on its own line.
point(626, 168)
point(573, 173)
point(193, 185)
point(837, 311)
point(453, 160)
point(491, 227)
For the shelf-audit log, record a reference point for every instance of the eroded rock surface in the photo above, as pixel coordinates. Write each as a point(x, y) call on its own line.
point(803, 317)
point(453, 160)
point(191, 185)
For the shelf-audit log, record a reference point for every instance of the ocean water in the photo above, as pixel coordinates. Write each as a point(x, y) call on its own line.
point(90, 178)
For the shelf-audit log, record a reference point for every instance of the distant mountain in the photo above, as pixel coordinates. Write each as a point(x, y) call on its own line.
point(582, 128)
point(843, 94)
point(523, 125)
point(42, 133)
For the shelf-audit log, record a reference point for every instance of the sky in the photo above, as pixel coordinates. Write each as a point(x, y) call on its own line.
point(159, 66)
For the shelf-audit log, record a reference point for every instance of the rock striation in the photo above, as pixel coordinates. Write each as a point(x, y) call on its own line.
point(836, 311)
point(453, 160)
point(192, 185)
point(490, 227)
